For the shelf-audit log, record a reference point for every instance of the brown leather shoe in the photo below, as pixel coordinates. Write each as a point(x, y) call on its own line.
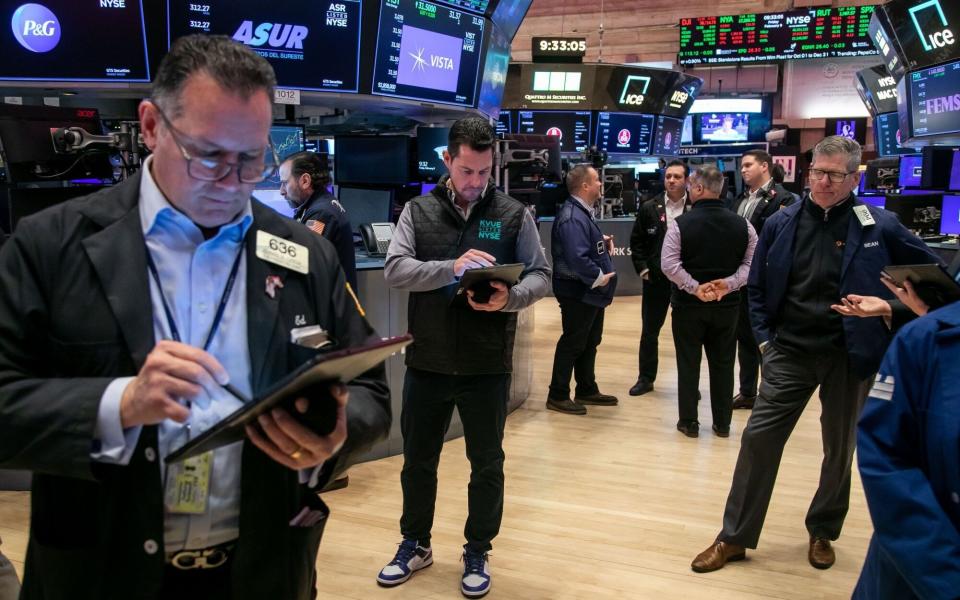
point(821, 554)
point(716, 556)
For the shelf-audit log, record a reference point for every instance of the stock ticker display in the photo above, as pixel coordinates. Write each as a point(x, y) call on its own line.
point(935, 100)
point(794, 34)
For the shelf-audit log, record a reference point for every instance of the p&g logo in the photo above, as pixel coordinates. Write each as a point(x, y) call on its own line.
point(36, 28)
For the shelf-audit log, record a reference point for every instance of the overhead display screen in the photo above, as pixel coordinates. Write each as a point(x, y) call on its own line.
point(298, 43)
point(572, 127)
point(477, 6)
point(431, 142)
point(886, 135)
point(669, 136)
point(926, 32)
point(625, 133)
point(64, 40)
point(878, 89)
point(504, 123)
point(509, 14)
point(725, 127)
point(935, 100)
point(494, 76)
point(426, 51)
point(803, 33)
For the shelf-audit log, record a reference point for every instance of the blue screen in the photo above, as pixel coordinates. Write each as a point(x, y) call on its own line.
point(950, 216)
point(911, 166)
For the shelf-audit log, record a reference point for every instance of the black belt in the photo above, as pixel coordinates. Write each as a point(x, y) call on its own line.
point(204, 558)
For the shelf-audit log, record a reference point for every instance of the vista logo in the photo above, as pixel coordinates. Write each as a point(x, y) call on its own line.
point(443, 63)
point(36, 28)
point(937, 39)
point(634, 89)
point(277, 35)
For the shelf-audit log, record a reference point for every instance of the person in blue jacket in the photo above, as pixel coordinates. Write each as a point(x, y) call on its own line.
point(584, 283)
point(810, 255)
point(908, 448)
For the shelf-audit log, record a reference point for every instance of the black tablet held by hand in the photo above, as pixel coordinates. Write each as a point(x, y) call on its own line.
point(931, 282)
point(478, 280)
point(312, 379)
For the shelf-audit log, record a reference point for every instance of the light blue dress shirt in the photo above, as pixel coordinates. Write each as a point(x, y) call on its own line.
point(194, 273)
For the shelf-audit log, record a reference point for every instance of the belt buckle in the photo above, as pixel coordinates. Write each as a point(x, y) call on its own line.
point(210, 558)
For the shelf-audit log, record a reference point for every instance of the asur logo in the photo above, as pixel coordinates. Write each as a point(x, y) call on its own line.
point(937, 39)
point(36, 28)
point(277, 35)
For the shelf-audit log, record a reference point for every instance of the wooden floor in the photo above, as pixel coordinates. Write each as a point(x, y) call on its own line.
point(611, 505)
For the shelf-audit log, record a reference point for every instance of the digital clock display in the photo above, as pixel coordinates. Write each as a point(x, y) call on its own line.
point(562, 45)
point(794, 34)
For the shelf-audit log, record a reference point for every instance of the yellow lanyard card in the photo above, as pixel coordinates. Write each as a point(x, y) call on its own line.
point(188, 485)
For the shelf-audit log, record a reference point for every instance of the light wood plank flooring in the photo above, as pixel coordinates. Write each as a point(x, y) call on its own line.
point(612, 505)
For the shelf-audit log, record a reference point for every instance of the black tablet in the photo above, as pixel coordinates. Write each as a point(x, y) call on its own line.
point(479, 280)
point(931, 282)
point(323, 369)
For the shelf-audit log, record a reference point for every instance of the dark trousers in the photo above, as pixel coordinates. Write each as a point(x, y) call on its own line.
point(576, 352)
point(710, 329)
point(789, 380)
point(653, 313)
point(428, 403)
point(748, 352)
point(196, 584)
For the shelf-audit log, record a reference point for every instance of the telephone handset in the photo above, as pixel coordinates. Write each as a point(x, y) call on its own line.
point(376, 237)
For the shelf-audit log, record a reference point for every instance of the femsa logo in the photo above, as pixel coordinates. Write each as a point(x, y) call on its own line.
point(36, 28)
point(634, 89)
point(937, 39)
point(277, 35)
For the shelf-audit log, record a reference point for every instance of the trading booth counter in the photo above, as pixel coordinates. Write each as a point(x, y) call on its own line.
point(386, 310)
point(628, 282)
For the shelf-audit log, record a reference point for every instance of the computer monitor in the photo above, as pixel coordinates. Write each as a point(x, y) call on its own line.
point(955, 172)
point(911, 170)
point(725, 127)
point(572, 128)
point(878, 201)
point(431, 143)
point(950, 215)
point(287, 140)
point(854, 128)
point(372, 160)
point(366, 206)
point(917, 212)
point(529, 175)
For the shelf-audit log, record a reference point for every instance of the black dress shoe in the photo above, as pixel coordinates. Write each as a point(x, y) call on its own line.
point(722, 431)
point(642, 386)
point(741, 401)
point(597, 399)
point(690, 429)
point(566, 405)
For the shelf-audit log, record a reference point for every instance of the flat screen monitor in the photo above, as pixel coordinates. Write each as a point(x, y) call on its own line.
point(427, 52)
point(372, 160)
point(70, 40)
point(955, 172)
point(287, 140)
point(504, 123)
point(624, 133)
point(911, 170)
point(477, 6)
point(925, 31)
point(917, 212)
point(950, 215)
point(878, 89)
point(725, 127)
point(530, 175)
point(494, 74)
point(366, 206)
point(297, 41)
point(686, 137)
point(854, 128)
point(431, 142)
point(509, 14)
point(668, 136)
point(876, 201)
point(935, 100)
point(886, 134)
point(571, 127)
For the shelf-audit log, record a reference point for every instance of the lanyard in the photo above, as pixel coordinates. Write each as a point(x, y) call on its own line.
point(174, 332)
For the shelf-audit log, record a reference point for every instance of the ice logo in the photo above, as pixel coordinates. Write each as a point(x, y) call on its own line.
point(36, 28)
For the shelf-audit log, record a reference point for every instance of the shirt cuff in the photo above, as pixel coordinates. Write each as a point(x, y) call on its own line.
point(311, 477)
point(644, 272)
point(112, 444)
point(598, 281)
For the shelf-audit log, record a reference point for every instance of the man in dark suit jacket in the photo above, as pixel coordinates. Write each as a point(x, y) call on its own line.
point(95, 389)
point(823, 248)
point(646, 243)
point(762, 197)
point(303, 183)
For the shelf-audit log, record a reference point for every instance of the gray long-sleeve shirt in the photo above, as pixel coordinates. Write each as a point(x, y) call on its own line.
point(403, 271)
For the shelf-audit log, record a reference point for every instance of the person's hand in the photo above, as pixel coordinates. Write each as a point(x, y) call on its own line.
point(705, 292)
point(608, 242)
point(472, 259)
point(606, 277)
point(498, 299)
point(720, 287)
point(172, 372)
point(294, 445)
point(854, 305)
point(906, 294)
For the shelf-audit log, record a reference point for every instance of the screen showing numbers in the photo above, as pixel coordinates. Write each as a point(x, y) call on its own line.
point(563, 45)
point(935, 100)
point(427, 51)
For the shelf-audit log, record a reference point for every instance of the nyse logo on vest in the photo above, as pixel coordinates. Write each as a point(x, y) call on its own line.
point(490, 230)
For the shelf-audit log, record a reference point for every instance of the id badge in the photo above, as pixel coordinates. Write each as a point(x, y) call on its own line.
point(189, 485)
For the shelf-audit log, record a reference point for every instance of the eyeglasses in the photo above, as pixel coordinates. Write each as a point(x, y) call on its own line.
point(249, 170)
point(835, 176)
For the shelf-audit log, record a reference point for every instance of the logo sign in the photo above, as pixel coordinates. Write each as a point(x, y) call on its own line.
point(555, 132)
point(623, 138)
point(634, 89)
point(429, 60)
point(936, 39)
point(275, 35)
point(36, 28)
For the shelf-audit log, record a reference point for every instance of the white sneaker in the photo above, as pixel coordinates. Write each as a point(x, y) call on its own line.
point(476, 574)
point(410, 558)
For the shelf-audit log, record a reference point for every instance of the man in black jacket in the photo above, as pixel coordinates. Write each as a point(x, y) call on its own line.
point(122, 316)
point(646, 242)
point(303, 183)
point(761, 198)
point(706, 255)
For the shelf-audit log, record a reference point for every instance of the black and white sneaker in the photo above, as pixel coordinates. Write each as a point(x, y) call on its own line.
point(476, 574)
point(410, 558)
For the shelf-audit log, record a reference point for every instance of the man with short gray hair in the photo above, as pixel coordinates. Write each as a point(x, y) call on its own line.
point(809, 255)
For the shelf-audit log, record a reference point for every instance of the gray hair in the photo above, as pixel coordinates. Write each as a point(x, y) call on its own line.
point(232, 65)
point(835, 145)
point(709, 177)
point(577, 176)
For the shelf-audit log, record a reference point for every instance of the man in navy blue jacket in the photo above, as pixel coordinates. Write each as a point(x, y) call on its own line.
point(811, 254)
point(583, 282)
